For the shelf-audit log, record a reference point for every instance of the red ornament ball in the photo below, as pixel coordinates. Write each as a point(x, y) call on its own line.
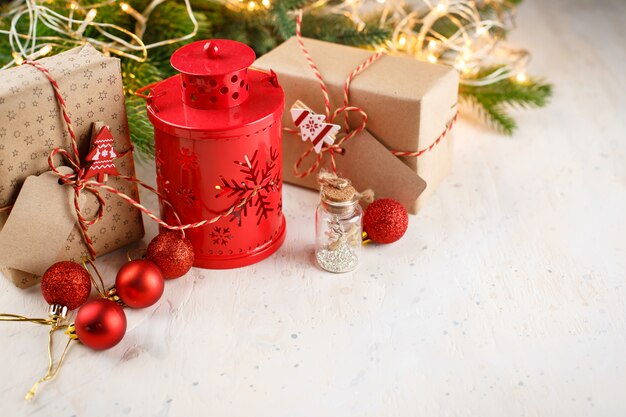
point(66, 283)
point(172, 253)
point(385, 220)
point(139, 283)
point(100, 324)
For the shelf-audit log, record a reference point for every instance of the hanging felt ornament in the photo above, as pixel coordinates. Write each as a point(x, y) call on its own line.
point(102, 156)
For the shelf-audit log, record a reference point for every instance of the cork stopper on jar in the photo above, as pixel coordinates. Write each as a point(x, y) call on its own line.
point(337, 193)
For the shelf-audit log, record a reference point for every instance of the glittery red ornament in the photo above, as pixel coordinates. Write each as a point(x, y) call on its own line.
point(66, 283)
point(139, 283)
point(385, 220)
point(100, 324)
point(172, 253)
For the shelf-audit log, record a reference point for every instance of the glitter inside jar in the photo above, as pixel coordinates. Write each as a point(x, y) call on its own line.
point(338, 227)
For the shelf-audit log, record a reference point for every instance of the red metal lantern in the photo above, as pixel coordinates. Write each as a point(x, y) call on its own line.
point(217, 130)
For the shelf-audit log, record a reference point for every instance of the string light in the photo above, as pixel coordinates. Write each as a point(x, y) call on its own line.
point(402, 40)
point(26, 15)
point(17, 58)
point(91, 15)
point(128, 9)
point(521, 77)
point(471, 42)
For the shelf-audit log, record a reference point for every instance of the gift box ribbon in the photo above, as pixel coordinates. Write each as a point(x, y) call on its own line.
point(334, 147)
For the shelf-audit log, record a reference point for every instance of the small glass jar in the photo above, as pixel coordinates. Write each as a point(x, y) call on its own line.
point(338, 233)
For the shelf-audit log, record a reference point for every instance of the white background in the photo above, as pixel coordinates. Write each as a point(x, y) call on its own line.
point(506, 297)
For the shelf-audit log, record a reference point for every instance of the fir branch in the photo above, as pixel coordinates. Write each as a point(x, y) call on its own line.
point(491, 101)
point(141, 131)
point(138, 74)
point(349, 35)
point(283, 18)
point(493, 115)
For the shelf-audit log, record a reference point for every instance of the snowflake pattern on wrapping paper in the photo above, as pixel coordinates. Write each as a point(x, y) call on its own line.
point(221, 235)
point(187, 160)
point(265, 176)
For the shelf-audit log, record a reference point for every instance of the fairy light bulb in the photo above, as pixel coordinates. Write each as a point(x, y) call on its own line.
point(91, 15)
point(442, 7)
point(266, 3)
point(19, 60)
point(402, 40)
point(251, 5)
point(432, 58)
point(432, 44)
point(467, 54)
point(124, 7)
point(521, 77)
point(44, 51)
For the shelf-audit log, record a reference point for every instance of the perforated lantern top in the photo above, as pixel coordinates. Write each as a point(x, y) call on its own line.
point(214, 73)
point(216, 94)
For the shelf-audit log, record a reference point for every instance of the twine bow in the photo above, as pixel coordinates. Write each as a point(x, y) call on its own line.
point(344, 110)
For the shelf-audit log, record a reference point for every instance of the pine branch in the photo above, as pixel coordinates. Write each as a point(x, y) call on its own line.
point(141, 131)
point(369, 36)
point(491, 101)
point(283, 17)
point(491, 114)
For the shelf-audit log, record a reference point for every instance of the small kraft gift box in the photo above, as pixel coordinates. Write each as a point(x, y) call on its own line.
point(400, 112)
point(38, 218)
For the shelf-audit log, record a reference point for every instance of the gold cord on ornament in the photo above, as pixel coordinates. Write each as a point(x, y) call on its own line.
point(111, 293)
point(52, 371)
point(18, 318)
point(100, 288)
point(137, 253)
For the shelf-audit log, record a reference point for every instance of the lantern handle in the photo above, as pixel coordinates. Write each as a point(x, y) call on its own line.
point(150, 95)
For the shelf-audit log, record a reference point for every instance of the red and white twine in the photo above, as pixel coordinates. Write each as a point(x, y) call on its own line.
point(344, 110)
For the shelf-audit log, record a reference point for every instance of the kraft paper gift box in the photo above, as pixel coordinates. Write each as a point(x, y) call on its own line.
point(31, 127)
point(409, 104)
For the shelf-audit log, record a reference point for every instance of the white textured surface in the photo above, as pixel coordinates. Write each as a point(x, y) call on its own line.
point(505, 298)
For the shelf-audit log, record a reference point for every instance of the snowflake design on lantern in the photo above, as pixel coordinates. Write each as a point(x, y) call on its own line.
point(221, 235)
point(162, 183)
point(187, 160)
point(187, 196)
point(264, 177)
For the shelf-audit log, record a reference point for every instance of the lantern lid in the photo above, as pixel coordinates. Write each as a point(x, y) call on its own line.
point(212, 57)
point(168, 112)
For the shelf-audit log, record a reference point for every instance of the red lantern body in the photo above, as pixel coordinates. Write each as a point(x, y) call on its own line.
point(217, 129)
